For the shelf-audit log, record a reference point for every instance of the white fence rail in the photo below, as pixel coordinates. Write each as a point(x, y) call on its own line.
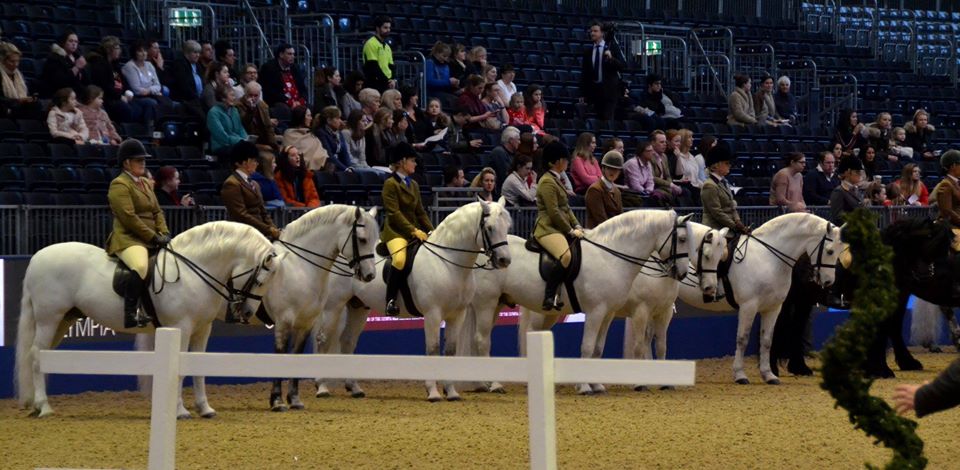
point(539, 370)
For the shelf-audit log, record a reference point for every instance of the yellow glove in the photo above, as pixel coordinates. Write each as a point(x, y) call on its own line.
point(577, 233)
point(420, 235)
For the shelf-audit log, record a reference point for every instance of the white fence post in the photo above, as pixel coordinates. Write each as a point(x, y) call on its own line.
point(163, 411)
point(541, 401)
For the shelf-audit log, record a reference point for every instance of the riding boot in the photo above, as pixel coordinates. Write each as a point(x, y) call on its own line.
point(393, 286)
point(133, 314)
point(551, 301)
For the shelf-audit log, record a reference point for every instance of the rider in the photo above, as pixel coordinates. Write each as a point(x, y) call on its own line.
point(555, 221)
point(947, 195)
point(406, 219)
point(138, 225)
point(241, 195)
point(719, 206)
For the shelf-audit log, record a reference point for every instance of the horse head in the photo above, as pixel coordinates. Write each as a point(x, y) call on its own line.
point(254, 281)
point(494, 227)
point(359, 243)
point(676, 247)
point(708, 255)
point(824, 255)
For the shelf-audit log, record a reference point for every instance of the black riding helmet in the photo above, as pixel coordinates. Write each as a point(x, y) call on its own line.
point(130, 148)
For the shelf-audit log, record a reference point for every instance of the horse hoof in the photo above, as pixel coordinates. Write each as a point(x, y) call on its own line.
point(278, 408)
point(743, 381)
point(499, 390)
point(885, 373)
point(184, 416)
point(359, 394)
point(668, 387)
point(585, 393)
point(210, 415)
point(773, 382)
point(323, 394)
point(935, 349)
point(801, 370)
point(434, 399)
point(910, 364)
point(296, 406)
point(453, 398)
point(640, 388)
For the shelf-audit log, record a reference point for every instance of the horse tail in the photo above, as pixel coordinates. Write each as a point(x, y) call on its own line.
point(26, 335)
point(144, 342)
point(926, 323)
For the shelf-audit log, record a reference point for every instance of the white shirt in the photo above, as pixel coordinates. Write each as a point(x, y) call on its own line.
point(508, 90)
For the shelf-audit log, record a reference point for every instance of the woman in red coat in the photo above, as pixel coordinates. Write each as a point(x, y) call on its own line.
point(295, 180)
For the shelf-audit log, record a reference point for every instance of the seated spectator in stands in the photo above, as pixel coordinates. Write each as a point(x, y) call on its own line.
point(585, 169)
point(224, 53)
point(295, 180)
point(536, 108)
point(784, 101)
point(378, 142)
point(503, 154)
point(16, 102)
point(300, 135)
point(690, 170)
point(476, 61)
point(613, 143)
point(707, 142)
point(506, 85)
point(453, 177)
point(155, 57)
point(391, 99)
point(206, 56)
point(378, 64)
point(272, 198)
point(471, 100)
point(740, 102)
point(282, 80)
point(487, 182)
point(327, 129)
point(141, 75)
point(105, 72)
point(369, 104)
point(517, 114)
point(603, 198)
point(410, 99)
point(64, 119)
point(250, 74)
point(673, 145)
point(218, 75)
point(186, 79)
point(458, 141)
point(398, 130)
point(435, 120)
point(99, 127)
point(458, 64)
point(879, 134)
point(166, 185)
point(440, 83)
point(355, 138)
point(638, 174)
point(520, 186)
point(255, 116)
point(329, 92)
point(919, 135)
point(493, 104)
point(898, 144)
point(656, 105)
point(224, 125)
point(763, 104)
point(871, 164)
point(818, 184)
point(910, 188)
point(850, 133)
point(662, 173)
point(350, 99)
point(786, 187)
point(64, 67)
point(877, 195)
point(489, 74)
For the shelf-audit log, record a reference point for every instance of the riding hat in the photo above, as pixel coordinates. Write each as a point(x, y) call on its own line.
point(400, 151)
point(849, 163)
point(554, 151)
point(130, 148)
point(242, 151)
point(950, 158)
point(612, 159)
point(719, 153)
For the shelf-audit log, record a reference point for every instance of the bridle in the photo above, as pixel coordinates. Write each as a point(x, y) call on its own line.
point(787, 259)
point(488, 245)
point(674, 255)
point(821, 246)
point(339, 267)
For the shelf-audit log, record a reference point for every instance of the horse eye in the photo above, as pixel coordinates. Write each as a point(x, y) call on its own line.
point(830, 252)
point(363, 240)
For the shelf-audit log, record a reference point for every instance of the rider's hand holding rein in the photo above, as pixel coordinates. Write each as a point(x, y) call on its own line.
point(420, 234)
point(577, 232)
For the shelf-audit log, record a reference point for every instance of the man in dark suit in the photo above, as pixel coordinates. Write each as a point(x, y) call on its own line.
point(186, 78)
point(600, 80)
point(241, 195)
point(819, 183)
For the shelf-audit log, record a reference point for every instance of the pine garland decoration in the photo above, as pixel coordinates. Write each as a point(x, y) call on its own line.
point(844, 357)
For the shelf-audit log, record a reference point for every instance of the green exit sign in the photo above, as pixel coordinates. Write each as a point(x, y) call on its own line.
point(186, 17)
point(653, 47)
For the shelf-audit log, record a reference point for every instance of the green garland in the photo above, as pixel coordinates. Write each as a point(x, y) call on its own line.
point(845, 355)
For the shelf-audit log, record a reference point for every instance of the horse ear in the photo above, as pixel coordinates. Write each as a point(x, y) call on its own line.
point(373, 212)
point(480, 199)
point(708, 237)
point(723, 232)
point(684, 219)
point(502, 201)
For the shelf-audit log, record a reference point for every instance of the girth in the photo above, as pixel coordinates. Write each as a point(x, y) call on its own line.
point(551, 269)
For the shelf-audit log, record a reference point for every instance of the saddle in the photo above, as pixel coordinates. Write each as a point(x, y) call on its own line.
point(121, 276)
point(723, 271)
point(388, 271)
point(551, 269)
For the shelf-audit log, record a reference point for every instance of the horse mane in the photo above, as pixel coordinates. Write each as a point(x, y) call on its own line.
point(464, 218)
point(320, 216)
point(211, 237)
point(918, 236)
point(627, 224)
point(786, 220)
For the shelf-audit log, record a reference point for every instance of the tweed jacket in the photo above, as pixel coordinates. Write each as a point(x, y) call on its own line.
point(265, 132)
point(742, 111)
point(137, 216)
point(947, 195)
point(244, 204)
point(719, 207)
point(553, 208)
point(602, 203)
point(405, 211)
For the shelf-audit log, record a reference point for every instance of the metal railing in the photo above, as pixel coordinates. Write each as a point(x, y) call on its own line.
point(349, 51)
point(817, 18)
point(670, 60)
point(411, 70)
point(755, 60)
point(837, 92)
point(314, 35)
point(711, 52)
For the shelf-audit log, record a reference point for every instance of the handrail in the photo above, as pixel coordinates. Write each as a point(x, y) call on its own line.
point(713, 70)
point(417, 57)
point(136, 12)
point(256, 23)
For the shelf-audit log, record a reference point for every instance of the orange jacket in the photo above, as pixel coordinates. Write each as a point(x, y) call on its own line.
point(290, 194)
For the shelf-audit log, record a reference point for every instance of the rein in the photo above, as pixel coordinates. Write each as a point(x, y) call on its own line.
point(211, 281)
point(741, 253)
point(642, 262)
point(488, 245)
point(337, 265)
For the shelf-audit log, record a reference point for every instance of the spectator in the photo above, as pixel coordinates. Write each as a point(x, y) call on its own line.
point(453, 177)
point(487, 182)
point(517, 114)
point(434, 121)
point(656, 106)
point(224, 53)
point(877, 195)
point(458, 64)
point(506, 85)
point(166, 186)
point(283, 85)
point(350, 99)
point(99, 127)
point(528, 145)
point(186, 75)
point(64, 120)
point(910, 188)
point(300, 135)
point(603, 197)
point(398, 130)
point(919, 135)
point(295, 181)
point(662, 175)
point(691, 170)
point(742, 112)
point(250, 74)
point(105, 72)
point(206, 56)
point(613, 143)
point(784, 101)
point(850, 133)
point(458, 141)
point(477, 60)
point(585, 169)
point(328, 94)
point(16, 102)
point(489, 74)
point(241, 196)
point(218, 75)
point(377, 141)
point(520, 186)
point(706, 143)
point(355, 138)
point(879, 134)
point(786, 187)
point(492, 103)
point(673, 145)
point(819, 184)
point(638, 174)
point(255, 117)
point(391, 99)
point(439, 81)
point(837, 151)
point(272, 198)
point(378, 56)
point(369, 105)
point(763, 103)
point(471, 99)
point(155, 57)
point(503, 154)
point(328, 131)
point(223, 122)
point(847, 196)
point(600, 73)
point(410, 99)
point(898, 144)
point(64, 67)
point(141, 75)
point(871, 164)
point(536, 107)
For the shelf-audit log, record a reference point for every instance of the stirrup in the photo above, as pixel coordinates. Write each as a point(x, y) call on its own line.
point(392, 309)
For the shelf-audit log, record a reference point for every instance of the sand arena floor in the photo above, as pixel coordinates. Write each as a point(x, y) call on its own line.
point(714, 425)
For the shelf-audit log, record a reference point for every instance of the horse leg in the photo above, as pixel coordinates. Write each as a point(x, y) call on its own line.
point(660, 326)
point(43, 338)
point(767, 321)
point(293, 395)
point(355, 322)
point(641, 340)
point(450, 349)
point(182, 412)
point(325, 334)
point(484, 317)
point(198, 343)
point(532, 320)
point(948, 315)
point(431, 329)
point(598, 349)
point(905, 360)
point(281, 335)
point(591, 330)
point(744, 322)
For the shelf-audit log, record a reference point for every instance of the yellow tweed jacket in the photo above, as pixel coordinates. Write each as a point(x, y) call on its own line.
point(137, 216)
point(553, 208)
point(405, 211)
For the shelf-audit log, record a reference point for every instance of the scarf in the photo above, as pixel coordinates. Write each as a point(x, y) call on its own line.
point(14, 87)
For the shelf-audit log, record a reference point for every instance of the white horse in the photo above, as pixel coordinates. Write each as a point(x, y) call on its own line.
point(441, 283)
point(295, 298)
point(613, 254)
point(67, 280)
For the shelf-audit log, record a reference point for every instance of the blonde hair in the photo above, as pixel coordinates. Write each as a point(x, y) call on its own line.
point(388, 97)
point(684, 135)
point(478, 180)
point(368, 96)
